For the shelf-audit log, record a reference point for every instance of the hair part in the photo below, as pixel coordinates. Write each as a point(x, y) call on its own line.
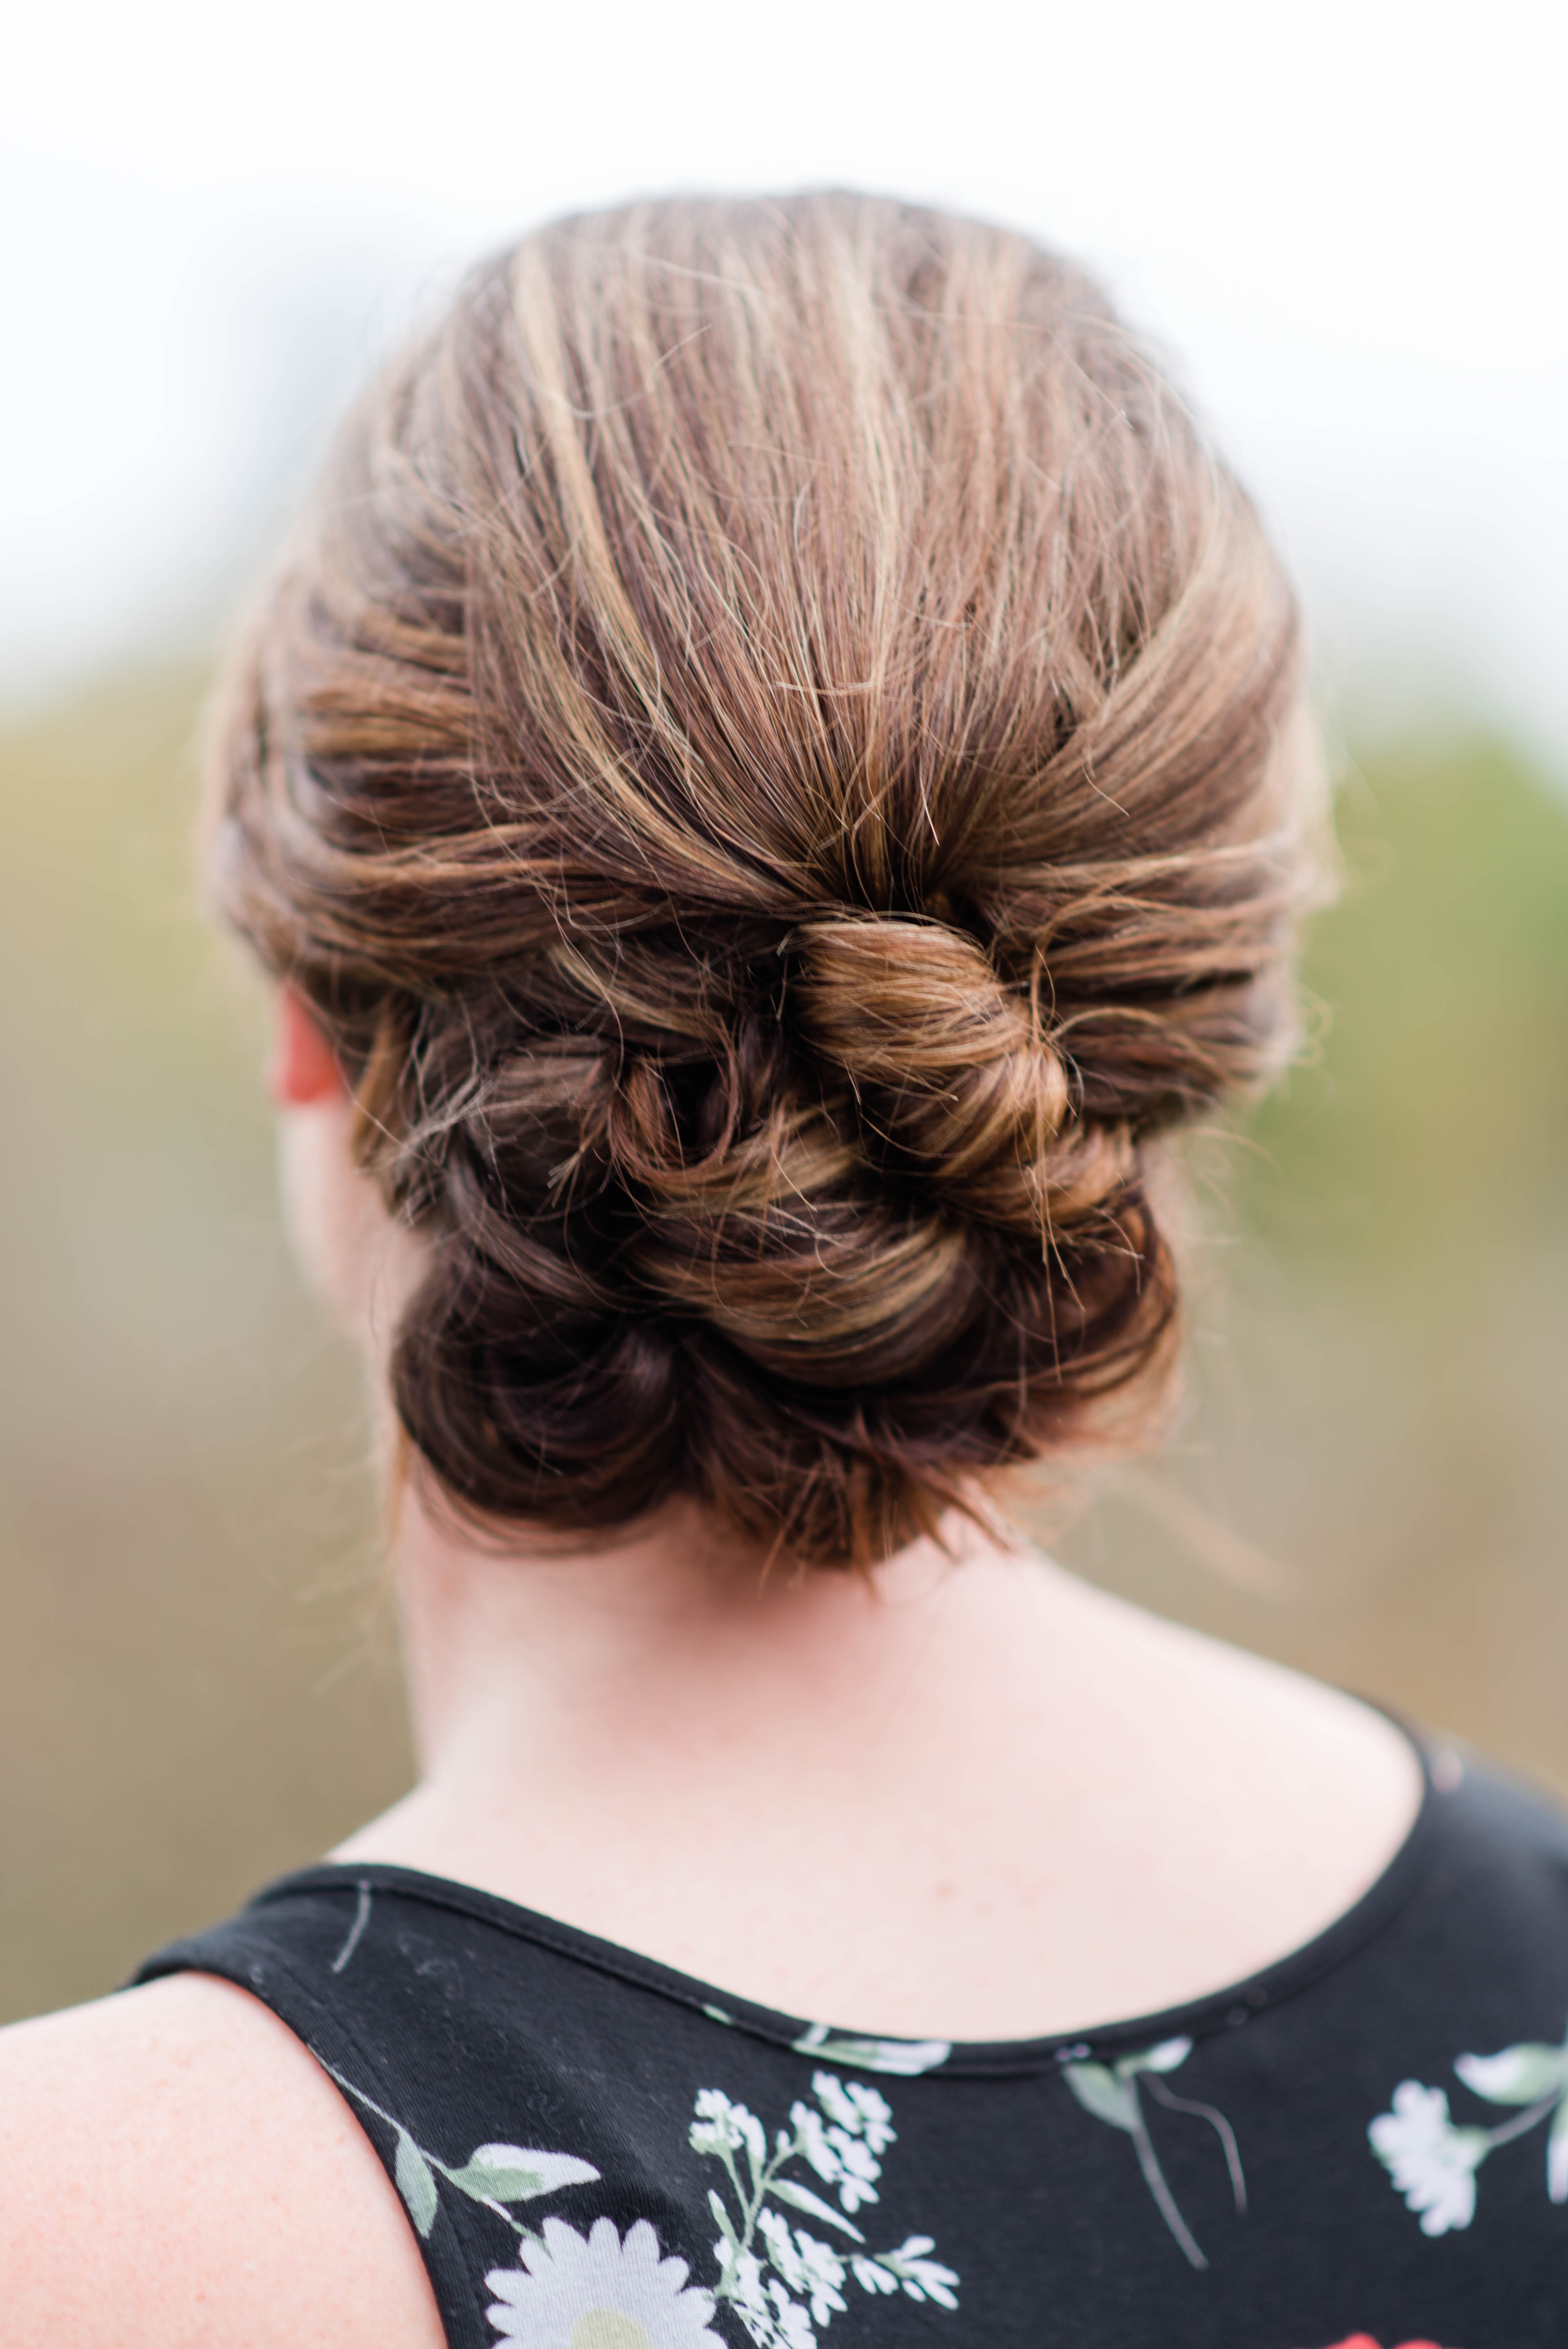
point(764, 761)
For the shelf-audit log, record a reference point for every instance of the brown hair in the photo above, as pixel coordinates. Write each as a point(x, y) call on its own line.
point(763, 762)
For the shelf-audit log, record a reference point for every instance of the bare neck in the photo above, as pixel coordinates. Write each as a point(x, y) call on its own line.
point(675, 1648)
point(969, 1797)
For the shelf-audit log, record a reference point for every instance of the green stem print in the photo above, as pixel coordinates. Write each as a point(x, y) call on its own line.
point(493, 2175)
point(1432, 2161)
point(356, 1932)
point(779, 2280)
point(1110, 2091)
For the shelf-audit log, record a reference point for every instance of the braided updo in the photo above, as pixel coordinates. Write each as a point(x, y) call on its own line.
point(767, 762)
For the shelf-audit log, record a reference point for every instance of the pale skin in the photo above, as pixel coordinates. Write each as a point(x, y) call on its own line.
point(968, 1797)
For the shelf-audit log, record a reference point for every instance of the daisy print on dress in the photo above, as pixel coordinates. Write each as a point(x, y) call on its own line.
point(778, 2278)
point(594, 2291)
point(1110, 2092)
point(493, 2175)
point(1432, 2160)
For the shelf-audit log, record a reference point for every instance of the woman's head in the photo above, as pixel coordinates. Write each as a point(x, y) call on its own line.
point(770, 765)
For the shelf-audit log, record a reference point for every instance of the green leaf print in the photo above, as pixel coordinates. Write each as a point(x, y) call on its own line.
point(1111, 2093)
point(1169, 2053)
point(494, 2174)
point(1557, 2155)
point(1516, 2076)
point(1100, 2092)
point(716, 2204)
point(904, 2058)
point(801, 2197)
point(417, 2184)
point(516, 2173)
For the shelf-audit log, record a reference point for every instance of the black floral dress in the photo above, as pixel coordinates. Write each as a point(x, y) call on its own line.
point(1364, 2146)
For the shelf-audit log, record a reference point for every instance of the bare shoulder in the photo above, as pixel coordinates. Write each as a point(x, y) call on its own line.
point(176, 2169)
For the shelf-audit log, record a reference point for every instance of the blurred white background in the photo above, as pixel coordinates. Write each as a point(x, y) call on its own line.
point(1346, 220)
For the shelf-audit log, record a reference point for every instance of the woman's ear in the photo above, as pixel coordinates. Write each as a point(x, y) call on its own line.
point(303, 1069)
point(343, 1237)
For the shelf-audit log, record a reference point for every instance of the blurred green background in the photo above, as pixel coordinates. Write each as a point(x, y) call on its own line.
point(197, 1683)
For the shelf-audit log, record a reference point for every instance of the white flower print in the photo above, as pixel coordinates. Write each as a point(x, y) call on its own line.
point(595, 2291)
point(840, 2160)
point(818, 2146)
point(812, 2269)
point(857, 2108)
point(1432, 2162)
point(773, 2320)
point(722, 2127)
point(921, 2279)
point(781, 2281)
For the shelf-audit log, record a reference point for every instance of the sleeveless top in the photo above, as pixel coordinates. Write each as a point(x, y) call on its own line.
point(1364, 2147)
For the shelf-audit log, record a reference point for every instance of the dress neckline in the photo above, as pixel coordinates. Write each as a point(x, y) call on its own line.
point(1228, 2007)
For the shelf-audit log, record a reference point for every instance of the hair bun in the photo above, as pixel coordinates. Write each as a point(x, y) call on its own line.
point(948, 1063)
point(714, 580)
